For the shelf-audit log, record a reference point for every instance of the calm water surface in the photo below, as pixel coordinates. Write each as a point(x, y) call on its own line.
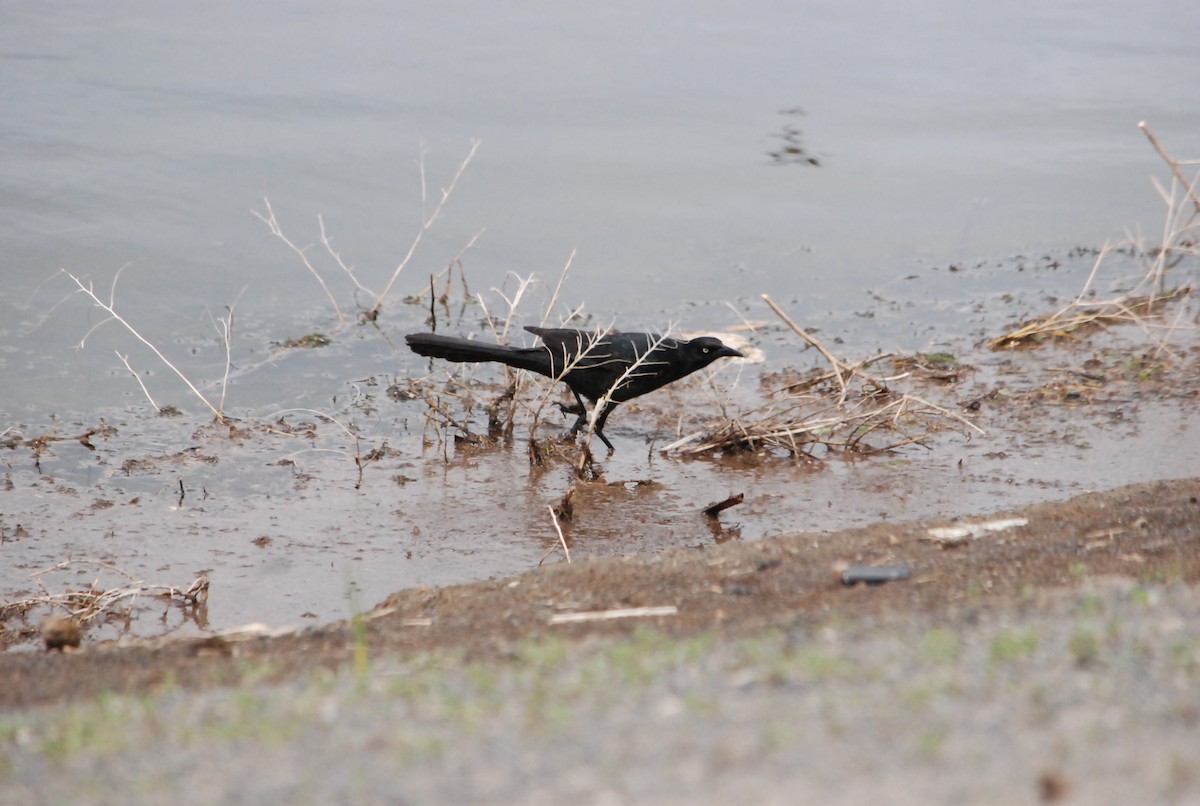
point(637, 135)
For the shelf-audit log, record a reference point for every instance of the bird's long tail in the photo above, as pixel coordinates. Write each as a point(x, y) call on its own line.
point(453, 348)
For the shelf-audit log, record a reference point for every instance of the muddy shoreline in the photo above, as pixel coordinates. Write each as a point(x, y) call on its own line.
point(1146, 532)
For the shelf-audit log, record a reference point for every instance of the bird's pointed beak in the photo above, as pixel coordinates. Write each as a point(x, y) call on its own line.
point(726, 350)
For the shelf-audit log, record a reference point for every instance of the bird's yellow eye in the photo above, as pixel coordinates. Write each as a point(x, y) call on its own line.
point(705, 349)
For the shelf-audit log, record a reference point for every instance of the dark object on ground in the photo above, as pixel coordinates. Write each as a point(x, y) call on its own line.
point(593, 364)
point(60, 633)
point(732, 501)
point(872, 574)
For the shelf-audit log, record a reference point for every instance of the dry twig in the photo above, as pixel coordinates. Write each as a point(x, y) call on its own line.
point(557, 528)
point(110, 308)
point(427, 221)
point(273, 224)
point(618, 613)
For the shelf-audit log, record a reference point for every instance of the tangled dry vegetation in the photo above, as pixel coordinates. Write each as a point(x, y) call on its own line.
point(1144, 303)
point(833, 410)
point(73, 610)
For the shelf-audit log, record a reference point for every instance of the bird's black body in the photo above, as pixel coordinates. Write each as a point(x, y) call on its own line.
point(605, 364)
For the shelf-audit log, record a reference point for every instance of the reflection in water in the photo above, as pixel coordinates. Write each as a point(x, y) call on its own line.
point(723, 533)
point(793, 151)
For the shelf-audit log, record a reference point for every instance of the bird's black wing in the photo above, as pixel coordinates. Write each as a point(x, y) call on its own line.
point(595, 362)
point(581, 349)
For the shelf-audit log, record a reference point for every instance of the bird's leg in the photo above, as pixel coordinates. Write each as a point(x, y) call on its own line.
point(599, 429)
point(578, 409)
point(582, 419)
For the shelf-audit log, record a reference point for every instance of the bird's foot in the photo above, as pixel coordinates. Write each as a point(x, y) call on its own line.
point(574, 408)
point(574, 432)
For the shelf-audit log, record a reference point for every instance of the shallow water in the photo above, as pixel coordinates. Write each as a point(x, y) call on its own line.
point(640, 139)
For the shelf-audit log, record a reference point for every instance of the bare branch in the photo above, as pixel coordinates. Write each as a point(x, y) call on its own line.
point(428, 221)
point(110, 309)
point(327, 242)
point(557, 528)
point(138, 378)
point(273, 223)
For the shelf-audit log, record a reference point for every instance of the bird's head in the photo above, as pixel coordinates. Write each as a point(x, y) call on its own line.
point(707, 349)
